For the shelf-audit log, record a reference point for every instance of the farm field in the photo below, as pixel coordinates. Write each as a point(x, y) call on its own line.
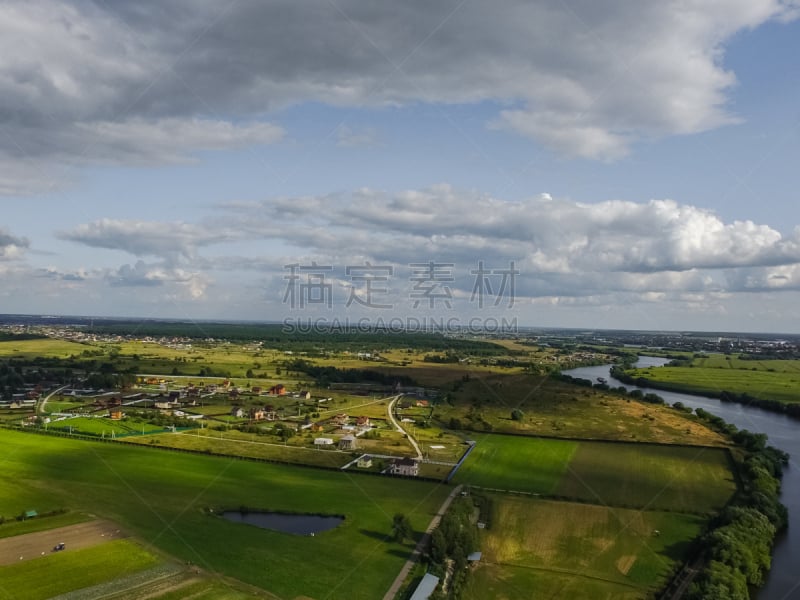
point(752, 378)
point(560, 409)
point(684, 479)
point(165, 504)
point(516, 463)
point(69, 570)
point(541, 548)
point(43, 347)
point(687, 479)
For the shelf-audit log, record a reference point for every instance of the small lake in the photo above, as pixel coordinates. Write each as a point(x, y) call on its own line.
point(284, 522)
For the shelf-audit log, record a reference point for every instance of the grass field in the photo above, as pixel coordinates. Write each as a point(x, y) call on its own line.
point(104, 426)
point(697, 480)
point(160, 497)
point(751, 377)
point(686, 479)
point(517, 463)
point(554, 408)
point(44, 347)
point(540, 548)
point(62, 572)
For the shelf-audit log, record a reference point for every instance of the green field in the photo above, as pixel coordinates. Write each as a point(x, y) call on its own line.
point(687, 479)
point(62, 572)
point(517, 463)
point(540, 548)
point(161, 497)
point(764, 379)
point(104, 426)
point(684, 479)
point(554, 408)
point(44, 347)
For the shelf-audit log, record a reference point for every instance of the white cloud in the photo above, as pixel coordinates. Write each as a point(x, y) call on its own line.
point(86, 83)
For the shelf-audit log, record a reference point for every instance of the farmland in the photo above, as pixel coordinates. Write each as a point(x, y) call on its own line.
point(685, 479)
point(554, 408)
point(164, 503)
point(73, 570)
point(541, 548)
point(766, 380)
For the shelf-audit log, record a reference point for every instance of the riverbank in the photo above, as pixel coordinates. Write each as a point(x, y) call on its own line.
point(777, 406)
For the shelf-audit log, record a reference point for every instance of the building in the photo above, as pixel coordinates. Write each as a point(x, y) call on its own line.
point(348, 442)
point(364, 462)
point(278, 390)
point(115, 413)
point(304, 395)
point(257, 414)
point(362, 422)
point(237, 412)
point(323, 442)
point(405, 466)
point(341, 419)
point(426, 587)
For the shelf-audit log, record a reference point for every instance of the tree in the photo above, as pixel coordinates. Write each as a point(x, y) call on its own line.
point(517, 415)
point(401, 528)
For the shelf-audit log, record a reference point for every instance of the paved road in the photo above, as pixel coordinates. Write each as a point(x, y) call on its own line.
point(421, 545)
point(400, 429)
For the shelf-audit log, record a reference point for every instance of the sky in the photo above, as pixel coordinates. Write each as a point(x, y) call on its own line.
point(547, 163)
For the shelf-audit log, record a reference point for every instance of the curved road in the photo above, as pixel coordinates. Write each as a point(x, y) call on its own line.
point(41, 406)
point(400, 429)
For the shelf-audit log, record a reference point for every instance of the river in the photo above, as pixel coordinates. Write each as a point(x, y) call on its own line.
point(783, 582)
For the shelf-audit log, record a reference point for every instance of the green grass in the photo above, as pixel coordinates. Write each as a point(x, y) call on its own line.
point(160, 496)
point(687, 479)
point(517, 463)
point(55, 574)
point(103, 425)
point(541, 548)
point(683, 479)
point(737, 376)
point(554, 408)
point(44, 347)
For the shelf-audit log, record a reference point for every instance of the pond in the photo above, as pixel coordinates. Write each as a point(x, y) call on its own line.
point(285, 522)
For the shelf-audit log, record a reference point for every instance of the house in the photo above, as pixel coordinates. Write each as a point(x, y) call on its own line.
point(277, 390)
point(348, 442)
point(115, 413)
point(340, 419)
point(174, 396)
point(237, 412)
point(323, 442)
point(426, 587)
point(364, 462)
point(423, 403)
point(257, 414)
point(233, 393)
point(405, 466)
point(256, 389)
point(362, 422)
point(475, 557)
point(304, 395)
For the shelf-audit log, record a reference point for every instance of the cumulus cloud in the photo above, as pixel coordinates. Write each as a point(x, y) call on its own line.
point(551, 235)
point(88, 82)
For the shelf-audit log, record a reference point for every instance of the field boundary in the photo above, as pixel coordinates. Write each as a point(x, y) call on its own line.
point(155, 447)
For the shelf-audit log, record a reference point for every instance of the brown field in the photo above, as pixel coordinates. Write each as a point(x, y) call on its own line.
point(76, 537)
